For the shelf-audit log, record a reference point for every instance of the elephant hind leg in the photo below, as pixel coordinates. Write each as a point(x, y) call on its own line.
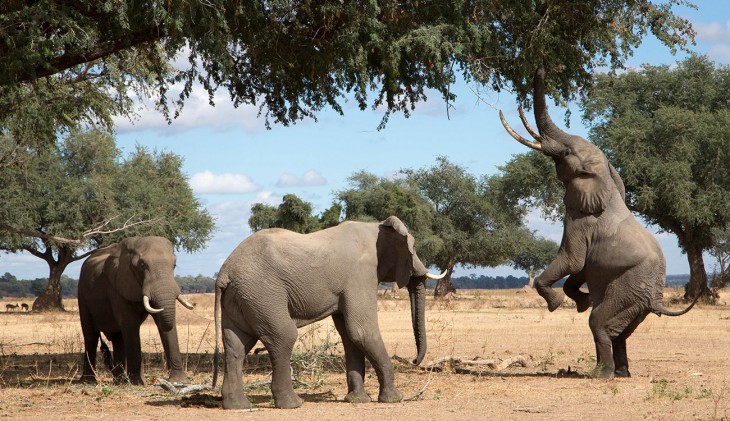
point(354, 363)
point(279, 341)
point(236, 344)
point(621, 360)
point(118, 357)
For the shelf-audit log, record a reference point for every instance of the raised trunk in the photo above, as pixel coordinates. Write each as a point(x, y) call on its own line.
point(417, 294)
point(697, 274)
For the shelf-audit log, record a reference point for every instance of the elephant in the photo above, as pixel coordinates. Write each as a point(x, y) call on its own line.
point(277, 280)
point(119, 285)
point(603, 245)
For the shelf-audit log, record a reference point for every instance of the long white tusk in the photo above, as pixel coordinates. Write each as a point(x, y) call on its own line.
point(185, 302)
point(526, 123)
point(148, 307)
point(432, 276)
point(534, 145)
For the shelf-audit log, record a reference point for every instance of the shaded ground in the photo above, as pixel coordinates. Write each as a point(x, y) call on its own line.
point(680, 367)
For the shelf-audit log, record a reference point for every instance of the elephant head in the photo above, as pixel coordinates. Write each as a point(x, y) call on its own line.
point(589, 178)
point(144, 272)
point(398, 262)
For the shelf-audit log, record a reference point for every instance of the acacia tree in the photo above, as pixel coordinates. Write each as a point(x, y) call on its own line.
point(293, 214)
point(534, 255)
point(449, 211)
point(666, 129)
point(79, 60)
point(67, 201)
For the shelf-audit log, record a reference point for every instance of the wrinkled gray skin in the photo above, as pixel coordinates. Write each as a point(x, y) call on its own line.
point(112, 284)
point(603, 245)
point(277, 281)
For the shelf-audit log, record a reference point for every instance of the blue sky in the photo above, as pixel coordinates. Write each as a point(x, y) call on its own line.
point(232, 161)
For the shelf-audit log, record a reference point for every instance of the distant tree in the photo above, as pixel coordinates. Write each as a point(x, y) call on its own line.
point(81, 195)
point(473, 228)
point(533, 256)
point(666, 129)
point(721, 251)
point(293, 214)
point(8, 277)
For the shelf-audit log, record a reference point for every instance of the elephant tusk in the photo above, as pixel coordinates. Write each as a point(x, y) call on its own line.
point(432, 276)
point(529, 128)
point(517, 137)
point(148, 307)
point(185, 303)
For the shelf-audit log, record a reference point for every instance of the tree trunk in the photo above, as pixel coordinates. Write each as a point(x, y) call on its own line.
point(444, 286)
point(697, 274)
point(50, 299)
point(531, 279)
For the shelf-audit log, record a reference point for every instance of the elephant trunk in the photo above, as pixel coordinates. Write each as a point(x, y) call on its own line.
point(548, 129)
point(162, 297)
point(417, 294)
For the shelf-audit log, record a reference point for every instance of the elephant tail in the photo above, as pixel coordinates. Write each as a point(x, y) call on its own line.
point(217, 318)
point(660, 310)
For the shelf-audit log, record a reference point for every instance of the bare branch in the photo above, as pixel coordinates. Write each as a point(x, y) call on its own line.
point(127, 224)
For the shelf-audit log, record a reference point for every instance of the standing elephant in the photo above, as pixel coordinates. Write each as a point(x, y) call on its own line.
point(277, 281)
point(119, 286)
point(603, 245)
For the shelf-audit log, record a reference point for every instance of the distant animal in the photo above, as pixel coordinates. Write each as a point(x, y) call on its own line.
point(603, 244)
point(277, 281)
point(118, 287)
point(24, 307)
point(11, 307)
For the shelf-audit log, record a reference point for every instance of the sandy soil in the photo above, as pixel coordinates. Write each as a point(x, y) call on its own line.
point(680, 367)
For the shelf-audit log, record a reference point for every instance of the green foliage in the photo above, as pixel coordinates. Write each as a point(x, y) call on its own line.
point(667, 131)
point(80, 195)
point(528, 181)
point(534, 255)
point(85, 60)
point(293, 214)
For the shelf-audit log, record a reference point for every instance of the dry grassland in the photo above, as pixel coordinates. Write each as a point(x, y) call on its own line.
point(680, 367)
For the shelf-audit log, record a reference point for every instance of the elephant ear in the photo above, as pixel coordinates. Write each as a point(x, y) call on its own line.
point(403, 265)
point(124, 279)
point(589, 190)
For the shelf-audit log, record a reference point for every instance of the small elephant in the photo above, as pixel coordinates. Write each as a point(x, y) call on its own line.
point(603, 244)
point(277, 281)
point(119, 286)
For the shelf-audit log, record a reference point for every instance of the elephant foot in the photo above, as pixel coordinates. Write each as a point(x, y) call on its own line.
point(357, 397)
point(622, 372)
point(582, 302)
point(553, 298)
point(178, 376)
point(136, 379)
point(288, 401)
point(602, 372)
point(239, 401)
point(390, 395)
point(88, 379)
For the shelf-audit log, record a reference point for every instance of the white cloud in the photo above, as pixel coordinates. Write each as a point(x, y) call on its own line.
point(197, 113)
point(207, 182)
point(309, 179)
point(712, 31)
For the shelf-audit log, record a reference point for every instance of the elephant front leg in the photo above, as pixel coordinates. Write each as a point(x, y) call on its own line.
point(572, 290)
point(354, 363)
point(133, 353)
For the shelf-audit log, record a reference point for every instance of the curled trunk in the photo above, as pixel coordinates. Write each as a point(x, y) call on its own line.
point(417, 294)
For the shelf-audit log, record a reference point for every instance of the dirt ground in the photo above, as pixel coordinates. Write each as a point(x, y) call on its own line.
point(496, 355)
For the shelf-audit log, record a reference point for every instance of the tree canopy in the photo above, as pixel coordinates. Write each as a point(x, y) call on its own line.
point(81, 195)
point(293, 214)
point(451, 213)
point(666, 129)
point(77, 61)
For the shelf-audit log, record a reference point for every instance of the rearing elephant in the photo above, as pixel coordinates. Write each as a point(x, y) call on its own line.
point(277, 281)
point(603, 244)
point(118, 287)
